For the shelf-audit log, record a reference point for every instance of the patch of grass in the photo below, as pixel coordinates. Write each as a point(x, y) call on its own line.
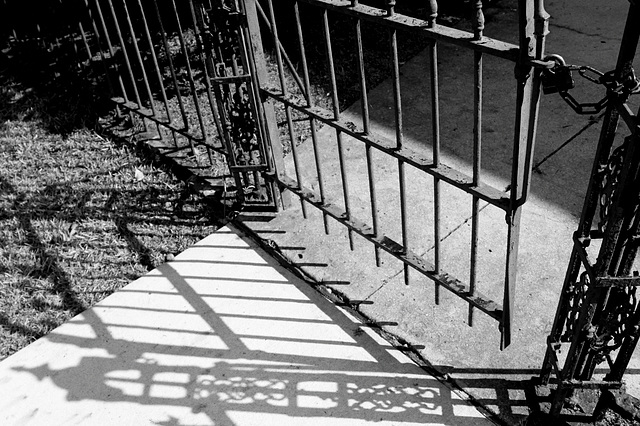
point(80, 215)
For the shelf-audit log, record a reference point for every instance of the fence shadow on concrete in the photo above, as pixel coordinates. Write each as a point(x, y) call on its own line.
point(222, 335)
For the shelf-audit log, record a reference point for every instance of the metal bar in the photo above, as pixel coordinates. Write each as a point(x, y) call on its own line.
point(99, 42)
point(154, 58)
point(309, 99)
point(209, 71)
point(397, 100)
point(230, 79)
point(364, 105)
point(577, 358)
point(84, 40)
point(174, 77)
point(282, 52)
point(457, 287)
point(136, 50)
point(132, 106)
point(419, 26)
point(287, 109)
point(253, 87)
point(192, 84)
point(617, 281)
point(336, 117)
point(629, 118)
point(477, 162)
point(454, 177)
point(266, 114)
point(435, 125)
point(198, 24)
point(125, 53)
point(533, 24)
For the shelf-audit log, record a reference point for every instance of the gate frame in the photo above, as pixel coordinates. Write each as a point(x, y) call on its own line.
point(533, 28)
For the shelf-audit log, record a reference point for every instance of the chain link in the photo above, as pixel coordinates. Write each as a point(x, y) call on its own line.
point(557, 78)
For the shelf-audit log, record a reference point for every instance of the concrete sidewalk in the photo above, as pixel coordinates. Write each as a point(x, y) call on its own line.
point(222, 335)
point(585, 33)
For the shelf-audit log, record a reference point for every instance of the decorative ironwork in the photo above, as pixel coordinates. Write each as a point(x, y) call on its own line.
point(608, 176)
point(233, 88)
point(243, 127)
point(576, 295)
point(599, 314)
point(616, 323)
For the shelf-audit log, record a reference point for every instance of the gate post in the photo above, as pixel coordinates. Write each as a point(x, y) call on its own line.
point(267, 116)
point(598, 312)
point(533, 27)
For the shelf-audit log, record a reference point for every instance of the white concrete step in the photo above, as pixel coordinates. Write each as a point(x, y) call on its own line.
point(222, 335)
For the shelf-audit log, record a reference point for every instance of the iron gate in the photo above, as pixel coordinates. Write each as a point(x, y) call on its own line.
point(195, 74)
point(182, 73)
point(299, 99)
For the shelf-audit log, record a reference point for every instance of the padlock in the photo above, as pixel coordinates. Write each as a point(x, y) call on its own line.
point(558, 78)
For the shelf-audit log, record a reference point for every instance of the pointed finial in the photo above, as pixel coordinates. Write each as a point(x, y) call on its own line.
point(478, 22)
point(391, 4)
point(433, 5)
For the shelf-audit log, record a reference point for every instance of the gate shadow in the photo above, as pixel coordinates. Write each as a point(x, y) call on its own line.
point(223, 335)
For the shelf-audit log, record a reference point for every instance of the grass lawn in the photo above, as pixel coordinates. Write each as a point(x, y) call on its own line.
point(80, 215)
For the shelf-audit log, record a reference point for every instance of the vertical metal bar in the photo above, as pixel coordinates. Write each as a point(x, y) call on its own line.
point(174, 78)
point(364, 102)
point(395, 64)
point(172, 70)
point(287, 109)
point(84, 41)
point(249, 66)
point(125, 53)
point(310, 102)
point(154, 58)
point(136, 49)
point(192, 83)
point(268, 118)
point(533, 26)
point(336, 115)
point(283, 52)
point(112, 51)
point(99, 43)
point(477, 162)
point(435, 124)
point(198, 25)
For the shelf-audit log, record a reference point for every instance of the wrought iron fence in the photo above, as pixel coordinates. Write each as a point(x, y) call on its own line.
point(598, 316)
point(194, 74)
point(181, 69)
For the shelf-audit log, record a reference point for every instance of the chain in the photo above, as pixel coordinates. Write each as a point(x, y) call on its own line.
point(557, 78)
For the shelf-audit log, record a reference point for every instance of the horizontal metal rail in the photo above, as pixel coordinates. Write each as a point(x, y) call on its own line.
point(441, 33)
point(148, 114)
point(454, 177)
point(408, 257)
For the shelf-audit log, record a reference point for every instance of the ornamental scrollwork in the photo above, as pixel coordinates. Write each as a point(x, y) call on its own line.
point(608, 177)
point(616, 325)
point(576, 296)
